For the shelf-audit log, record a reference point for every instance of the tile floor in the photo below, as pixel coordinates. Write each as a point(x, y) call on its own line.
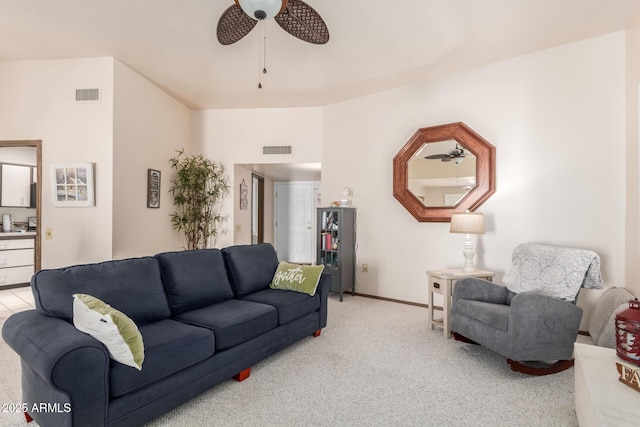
point(15, 300)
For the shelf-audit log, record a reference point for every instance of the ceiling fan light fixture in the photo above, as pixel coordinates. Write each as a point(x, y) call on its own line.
point(262, 9)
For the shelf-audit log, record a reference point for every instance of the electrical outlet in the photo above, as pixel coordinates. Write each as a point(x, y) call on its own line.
point(365, 267)
point(238, 228)
point(48, 234)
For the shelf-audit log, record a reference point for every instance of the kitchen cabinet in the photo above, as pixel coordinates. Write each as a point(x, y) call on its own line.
point(16, 186)
point(17, 259)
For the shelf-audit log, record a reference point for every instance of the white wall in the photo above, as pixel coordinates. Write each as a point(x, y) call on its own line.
point(149, 126)
point(38, 103)
point(237, 136)
point(556, 118)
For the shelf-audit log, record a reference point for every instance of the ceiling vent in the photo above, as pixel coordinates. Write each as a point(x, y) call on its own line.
point(88, 95)
point(276, 149)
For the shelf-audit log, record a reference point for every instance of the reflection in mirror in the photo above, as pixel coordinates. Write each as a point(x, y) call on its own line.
point(442, 173)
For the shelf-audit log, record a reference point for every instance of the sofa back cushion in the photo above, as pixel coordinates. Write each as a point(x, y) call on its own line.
point(194, 279)
point(132, 286)
point(250, 267)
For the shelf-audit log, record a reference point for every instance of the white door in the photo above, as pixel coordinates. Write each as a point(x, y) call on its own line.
point(294, 221)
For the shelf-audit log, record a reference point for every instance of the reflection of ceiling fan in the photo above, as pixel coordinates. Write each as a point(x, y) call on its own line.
point(457, 155)
point(294, 16)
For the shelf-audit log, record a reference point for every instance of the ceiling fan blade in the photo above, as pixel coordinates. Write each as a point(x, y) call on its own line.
point(233, 25)
point(437, 156)
point(303, 22)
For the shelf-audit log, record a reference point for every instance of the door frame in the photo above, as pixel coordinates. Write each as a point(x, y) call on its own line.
point(257, 207)
point(38, 146)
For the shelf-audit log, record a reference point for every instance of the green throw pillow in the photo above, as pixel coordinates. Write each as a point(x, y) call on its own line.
point(111, 327)
point(299, 278)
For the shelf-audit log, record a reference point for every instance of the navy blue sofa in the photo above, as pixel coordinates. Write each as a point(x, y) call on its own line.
point(205, 316)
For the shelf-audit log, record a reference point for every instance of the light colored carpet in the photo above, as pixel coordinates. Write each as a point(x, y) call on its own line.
point(375, 364)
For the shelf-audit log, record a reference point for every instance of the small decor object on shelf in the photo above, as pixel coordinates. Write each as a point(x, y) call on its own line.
point(629, 376)
point(347, 197)
point(628, 333)
point(153, 188)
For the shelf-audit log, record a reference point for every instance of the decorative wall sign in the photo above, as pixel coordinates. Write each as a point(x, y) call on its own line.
point(153, 188)
point(244, 195)
point(72, 184)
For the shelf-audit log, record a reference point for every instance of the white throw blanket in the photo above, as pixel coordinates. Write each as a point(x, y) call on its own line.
point(557, 272)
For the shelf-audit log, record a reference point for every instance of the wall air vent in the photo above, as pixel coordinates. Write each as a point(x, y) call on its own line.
point(88, 95)
point(276, 149)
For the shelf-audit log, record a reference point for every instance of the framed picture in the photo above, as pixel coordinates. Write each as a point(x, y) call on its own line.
point(244, 195)
point(72, 185)
point(153, 188)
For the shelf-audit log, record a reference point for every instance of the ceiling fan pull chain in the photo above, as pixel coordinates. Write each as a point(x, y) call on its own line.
point(263, 53)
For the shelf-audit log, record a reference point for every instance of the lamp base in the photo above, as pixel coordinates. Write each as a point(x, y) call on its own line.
point(468, 253)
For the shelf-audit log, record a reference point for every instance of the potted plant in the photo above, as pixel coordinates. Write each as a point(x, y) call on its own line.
point(197, 188)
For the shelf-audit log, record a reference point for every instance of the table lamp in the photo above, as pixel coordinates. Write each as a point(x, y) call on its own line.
point(467, 223)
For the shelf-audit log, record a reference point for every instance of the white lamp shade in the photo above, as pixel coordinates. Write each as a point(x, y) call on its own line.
point(262, 9)
point(467, 222)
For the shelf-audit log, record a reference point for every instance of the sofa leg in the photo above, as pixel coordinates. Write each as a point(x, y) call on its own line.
point(27, 417)
point(559, 366)
point(317, 333)
point(243, 375)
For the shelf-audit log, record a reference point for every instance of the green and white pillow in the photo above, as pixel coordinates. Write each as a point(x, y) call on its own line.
point(111, 327)
point(299, 278)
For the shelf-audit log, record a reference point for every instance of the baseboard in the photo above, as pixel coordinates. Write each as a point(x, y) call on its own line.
point(396, 301)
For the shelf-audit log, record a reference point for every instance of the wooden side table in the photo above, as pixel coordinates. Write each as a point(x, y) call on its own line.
point(442, 282)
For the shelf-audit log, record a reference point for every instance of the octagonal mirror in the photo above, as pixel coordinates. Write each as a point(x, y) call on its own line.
point(444, 169)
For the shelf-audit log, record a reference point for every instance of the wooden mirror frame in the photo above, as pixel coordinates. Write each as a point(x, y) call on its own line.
point(485, 171)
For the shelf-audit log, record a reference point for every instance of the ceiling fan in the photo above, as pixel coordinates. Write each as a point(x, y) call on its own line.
point(294, 16)
point(456, 154)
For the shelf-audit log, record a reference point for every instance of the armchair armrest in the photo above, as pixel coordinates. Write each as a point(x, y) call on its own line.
point(472, 288)
point(544, 325)
point(55, 354)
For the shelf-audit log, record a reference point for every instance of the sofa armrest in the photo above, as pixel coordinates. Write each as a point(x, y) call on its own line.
point(540, 321)
point(65, 359)
point(324, 286)
point(472, 288)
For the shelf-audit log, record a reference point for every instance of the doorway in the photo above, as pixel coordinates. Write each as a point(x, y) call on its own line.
point(257, 209)
point(35, 192)
point(294, 220)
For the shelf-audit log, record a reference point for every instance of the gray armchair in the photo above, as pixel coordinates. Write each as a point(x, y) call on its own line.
point(533, 320)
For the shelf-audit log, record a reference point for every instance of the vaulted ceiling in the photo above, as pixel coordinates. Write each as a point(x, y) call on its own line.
point(374, 44)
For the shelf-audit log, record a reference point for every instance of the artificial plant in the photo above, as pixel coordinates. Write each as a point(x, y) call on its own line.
point(197, 189)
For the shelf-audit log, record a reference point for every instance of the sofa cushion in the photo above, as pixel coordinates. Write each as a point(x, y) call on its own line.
point(194, 279)
point(250, 267)
point(233, 321)
point(132, 286)
point(111, 327)
point(496, 315)
point(169, 347)
point(290, 305)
